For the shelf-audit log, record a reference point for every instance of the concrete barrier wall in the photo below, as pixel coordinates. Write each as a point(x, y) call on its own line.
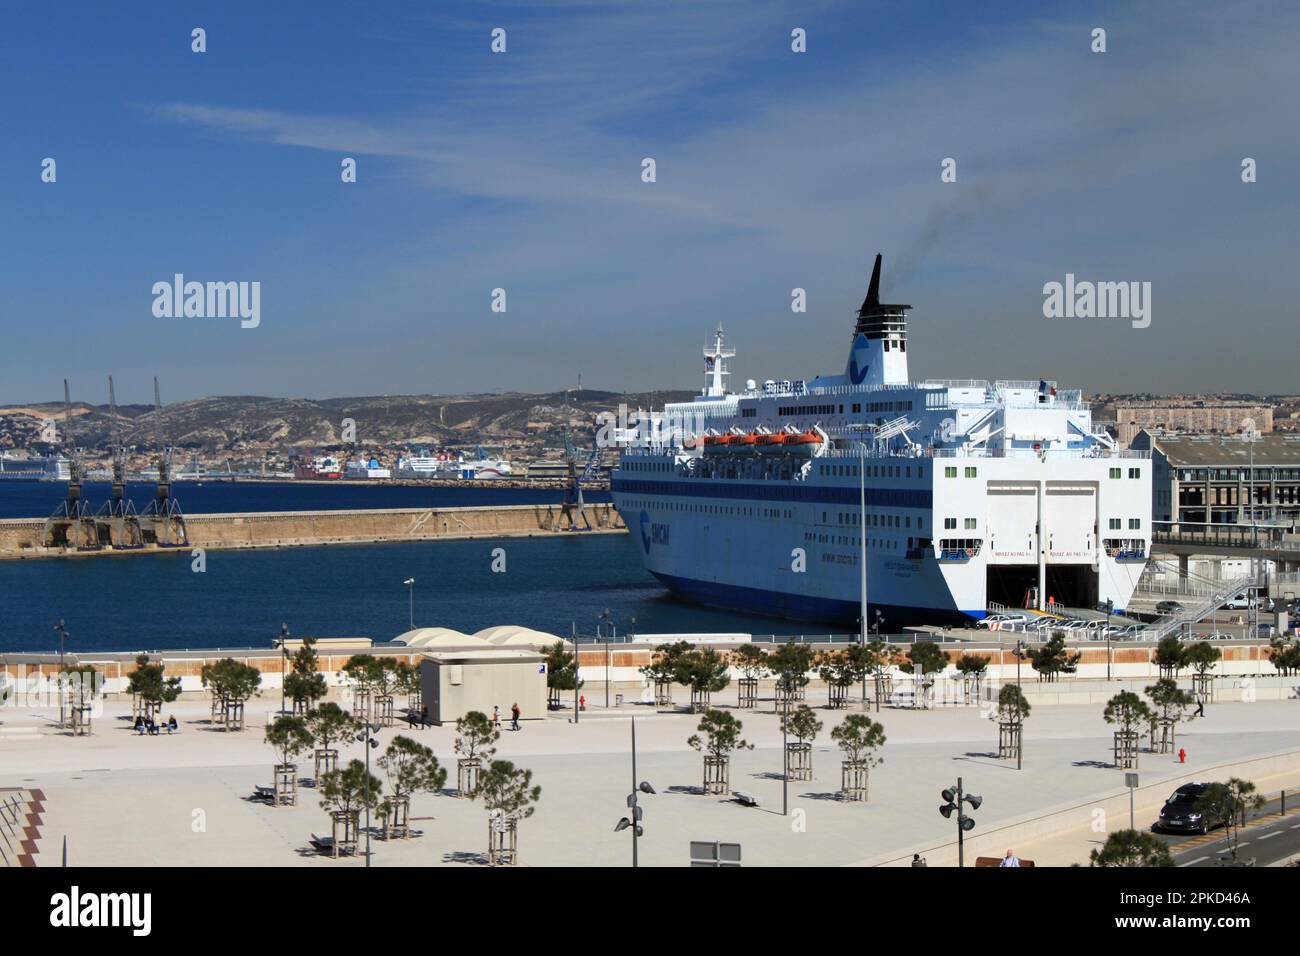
point(22, 537)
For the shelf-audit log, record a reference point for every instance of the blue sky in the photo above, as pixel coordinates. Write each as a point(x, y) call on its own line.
point(522, 171)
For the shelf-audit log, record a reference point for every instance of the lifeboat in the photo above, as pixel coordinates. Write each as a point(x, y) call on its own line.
point(716, 444)
point(744, 442)
point(805, 443)
point(771, 443)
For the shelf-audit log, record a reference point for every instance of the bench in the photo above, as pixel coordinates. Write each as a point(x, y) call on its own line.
point(744, 798)
point(997, 861)
point(323, 844)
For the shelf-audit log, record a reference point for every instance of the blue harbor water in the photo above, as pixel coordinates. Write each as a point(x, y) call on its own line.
point(156, 601)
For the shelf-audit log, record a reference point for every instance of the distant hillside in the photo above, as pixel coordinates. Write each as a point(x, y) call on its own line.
point(229, 422)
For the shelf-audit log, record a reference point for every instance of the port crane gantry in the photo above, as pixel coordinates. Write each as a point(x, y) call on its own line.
point(117, 523)
point(72, 525)
point(163, 515)
point(574, 509)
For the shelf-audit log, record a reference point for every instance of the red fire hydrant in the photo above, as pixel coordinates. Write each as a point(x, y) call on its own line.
point(1182, 755)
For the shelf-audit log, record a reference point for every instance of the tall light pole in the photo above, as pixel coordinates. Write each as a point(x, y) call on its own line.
point(862, 536)
point(608, 622)
point(634, 822)
point(410, 593)
point(1109, 606)
point(63, 636)
point(284, 654)
point(953, 799)
point(370, 742)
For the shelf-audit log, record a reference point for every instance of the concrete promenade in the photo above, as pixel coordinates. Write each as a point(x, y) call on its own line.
point(127, 800)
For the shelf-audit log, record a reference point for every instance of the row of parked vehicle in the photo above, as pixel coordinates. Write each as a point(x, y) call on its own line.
point(1076, 627)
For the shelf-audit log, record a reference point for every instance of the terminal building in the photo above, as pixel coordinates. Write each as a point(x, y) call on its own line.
point(1224, 479)
point(1193, 417)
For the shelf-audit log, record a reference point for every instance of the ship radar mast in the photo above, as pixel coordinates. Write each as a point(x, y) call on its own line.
point(715, 365)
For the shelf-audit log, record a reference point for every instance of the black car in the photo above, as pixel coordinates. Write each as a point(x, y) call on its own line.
point(1180, 811)
point(1168, 607)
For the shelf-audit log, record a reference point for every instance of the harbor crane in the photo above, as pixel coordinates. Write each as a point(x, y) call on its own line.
point(163, 515)
point(72, 525)
point(574, 509)
point(117, 523)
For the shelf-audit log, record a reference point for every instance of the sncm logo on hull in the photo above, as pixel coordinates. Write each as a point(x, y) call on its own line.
point(209, 300)
point(76, 909)
point(1098, 300)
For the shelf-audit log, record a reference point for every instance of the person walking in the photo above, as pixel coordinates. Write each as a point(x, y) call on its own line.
point(1200, 705)
point(514, 716)
point(496, 716)
point(424, 716)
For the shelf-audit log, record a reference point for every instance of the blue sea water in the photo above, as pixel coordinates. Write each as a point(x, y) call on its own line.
point(156, 601)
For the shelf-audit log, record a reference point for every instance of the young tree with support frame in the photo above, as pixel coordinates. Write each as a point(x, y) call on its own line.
point(972, 668)
point(304, 684)
point(790, 663)
point(289, 737)
point(328, 723)
point(233, 683)
point(147, 684)
point(840, 670)
point(722, 733)
point(1171, 656)
point(345, 794)
point(859, 737)
point(663, 670)
point(1051, 659)
point(561, 674)
point(751, 661)
point(1012, 711)
point(882, 658)
point(1128, 711)
point(411, 768)
point(705, 672)
point(802, 724)
point(926, 660)
point(1202, 657)
point(81, 684)
point(509, 795)
point(1169, 705)
point(475, 742)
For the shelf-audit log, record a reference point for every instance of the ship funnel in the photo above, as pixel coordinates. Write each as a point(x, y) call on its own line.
point(879, 352)
point(873, 290)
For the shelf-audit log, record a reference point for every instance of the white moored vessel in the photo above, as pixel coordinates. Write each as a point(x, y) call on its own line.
point(918, 502)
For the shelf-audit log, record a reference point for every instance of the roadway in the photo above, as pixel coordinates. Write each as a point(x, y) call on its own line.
point(1269, 836)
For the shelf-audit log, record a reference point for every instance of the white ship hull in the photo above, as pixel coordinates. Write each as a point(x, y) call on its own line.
point(954, 495)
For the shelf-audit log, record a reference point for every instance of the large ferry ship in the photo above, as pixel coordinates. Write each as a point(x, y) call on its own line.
point(866, 495)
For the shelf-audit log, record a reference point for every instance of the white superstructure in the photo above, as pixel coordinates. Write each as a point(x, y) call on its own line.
point(924, 501)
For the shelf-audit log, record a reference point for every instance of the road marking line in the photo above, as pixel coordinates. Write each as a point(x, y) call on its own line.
point(1195, 861)
point(1269, 836)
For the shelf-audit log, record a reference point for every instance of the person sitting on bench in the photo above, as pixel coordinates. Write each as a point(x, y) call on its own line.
point(138, 726)
point(171, 724)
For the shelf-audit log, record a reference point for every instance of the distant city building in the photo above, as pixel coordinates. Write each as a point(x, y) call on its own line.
point(1197, 417)
point(1224, 479)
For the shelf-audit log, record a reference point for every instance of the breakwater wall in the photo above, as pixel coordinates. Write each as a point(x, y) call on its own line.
point(25, 537)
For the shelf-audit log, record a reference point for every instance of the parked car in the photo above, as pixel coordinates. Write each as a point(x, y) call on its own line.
point(1180, 813)
point(1240, 602)
point(1133, 632)
point(1002, 622)
point(1168, 607)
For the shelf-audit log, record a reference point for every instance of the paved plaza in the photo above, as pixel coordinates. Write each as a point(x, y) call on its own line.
point(123, 799)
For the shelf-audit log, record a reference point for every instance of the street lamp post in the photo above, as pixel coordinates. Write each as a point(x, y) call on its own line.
point(370, 742)
point(608, 622)
point(634, 822)
point(785, 746)
point(63, 635)
point(1109, 606)
point(284, 654)
point(953, 798)
point(410, 593)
